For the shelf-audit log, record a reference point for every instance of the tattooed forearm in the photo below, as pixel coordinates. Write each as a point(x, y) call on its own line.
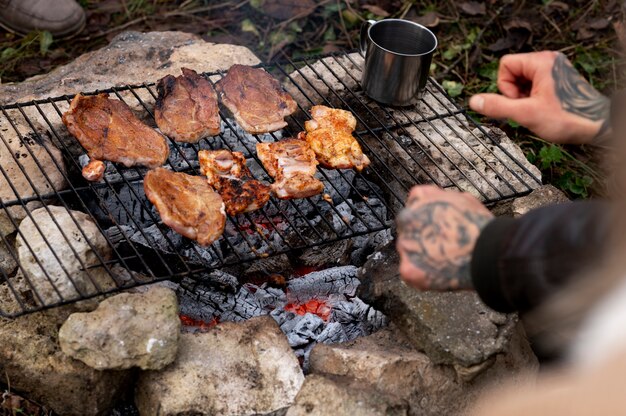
point(577, 96)
point(438, 238)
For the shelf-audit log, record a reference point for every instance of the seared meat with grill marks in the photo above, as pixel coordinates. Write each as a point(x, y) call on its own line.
point(292, 164)
point(330, 136)
point(186, 109)
point(109, 130)
point(256, 99)
point(228, 174)
point(187, 204)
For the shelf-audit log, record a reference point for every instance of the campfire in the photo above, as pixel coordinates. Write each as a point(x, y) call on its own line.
point(295, 261)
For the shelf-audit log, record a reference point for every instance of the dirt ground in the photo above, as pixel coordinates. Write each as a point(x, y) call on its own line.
point(473, 35)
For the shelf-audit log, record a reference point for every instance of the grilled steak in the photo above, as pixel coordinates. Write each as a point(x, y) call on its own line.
point(228, 174)
point(187, 204)
point(329, 134)
point(186, 109)
point(256, 99)
point(109, 130)
point(292, 164)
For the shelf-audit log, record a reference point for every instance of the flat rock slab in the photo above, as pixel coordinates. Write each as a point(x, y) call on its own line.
point(242, 368)
point(130, 58)
point(127, 330)
point(453, 328)
point(31, 167)
point(32, 362)
point(388, 363)
point(322, 396)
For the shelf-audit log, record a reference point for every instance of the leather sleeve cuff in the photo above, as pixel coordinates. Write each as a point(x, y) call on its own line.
point(485, 265)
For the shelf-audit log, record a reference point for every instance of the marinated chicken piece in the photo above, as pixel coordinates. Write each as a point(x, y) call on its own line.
point(94, 170)
point(109, 130)
point(186, 109)
point(329, 134)
point(256, 99)
point(227, 172)
point(187, 204)
point(292, 164)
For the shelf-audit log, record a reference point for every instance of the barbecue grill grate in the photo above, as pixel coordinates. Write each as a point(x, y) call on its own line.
point(434, 141)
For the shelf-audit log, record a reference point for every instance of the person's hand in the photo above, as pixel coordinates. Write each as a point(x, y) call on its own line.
point(437, 231)
point(543, 92)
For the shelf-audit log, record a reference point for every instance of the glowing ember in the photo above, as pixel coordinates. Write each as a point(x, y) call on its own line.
point(304, 270)
point(314, 306)
point(202, 325)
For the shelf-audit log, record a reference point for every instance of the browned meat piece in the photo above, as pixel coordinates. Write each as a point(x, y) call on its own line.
point(228, 174)
point(330, 136)
point(94, 170)
point(187, 204)
point(109, 130)
point(292, 164)
point(186, 109)
point(256, 99)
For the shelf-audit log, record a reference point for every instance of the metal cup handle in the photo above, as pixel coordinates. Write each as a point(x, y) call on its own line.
point(363, 36)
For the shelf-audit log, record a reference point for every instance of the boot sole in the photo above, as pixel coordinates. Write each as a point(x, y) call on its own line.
point(68, 34)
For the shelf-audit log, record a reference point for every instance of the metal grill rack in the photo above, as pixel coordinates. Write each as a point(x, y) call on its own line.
point(125, 243)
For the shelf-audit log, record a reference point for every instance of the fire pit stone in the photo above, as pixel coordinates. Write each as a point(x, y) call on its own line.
point(389, 363)
point(130, 58)
point(127, 330)
point(452, 328)
point(31, 164)
point(68, 266)
point(243, 368)
point(321, 396)
point(7, 262)
point(30, 358)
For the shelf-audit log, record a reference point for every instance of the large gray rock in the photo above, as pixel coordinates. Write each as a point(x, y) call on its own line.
point(52, 248)
point(321, 396)
point(31, 166)
point(388, 363)
point(453, 328)
point(130, 58)
point(33, 364)
point(242, 368)
point(127, 330)
point(546, 195)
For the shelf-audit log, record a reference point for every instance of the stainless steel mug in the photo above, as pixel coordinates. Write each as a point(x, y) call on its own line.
point(398, 54)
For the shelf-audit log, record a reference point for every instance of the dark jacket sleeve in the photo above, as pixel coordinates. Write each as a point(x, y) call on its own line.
point(518, 263)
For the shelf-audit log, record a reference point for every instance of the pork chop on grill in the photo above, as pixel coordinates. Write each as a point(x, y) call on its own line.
point(227, 172)
point(292, 164)
point(109, 130)
point(187, 204)
point(329, 134)
point(186, 109)
point(255, 98)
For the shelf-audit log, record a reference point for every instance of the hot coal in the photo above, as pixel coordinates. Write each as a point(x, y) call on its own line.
point(339, 317)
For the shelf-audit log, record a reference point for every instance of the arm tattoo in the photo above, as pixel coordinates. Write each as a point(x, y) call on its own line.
point(438, 239)
point(576, 95)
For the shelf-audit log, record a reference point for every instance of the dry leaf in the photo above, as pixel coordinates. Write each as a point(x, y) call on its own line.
point(473, 8)
point(378, 11)
point(599, 23)
point(585, 34)
point(430, 19)
point(558, 5)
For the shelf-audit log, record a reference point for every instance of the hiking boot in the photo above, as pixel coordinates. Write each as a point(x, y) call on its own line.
point(59, 17)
